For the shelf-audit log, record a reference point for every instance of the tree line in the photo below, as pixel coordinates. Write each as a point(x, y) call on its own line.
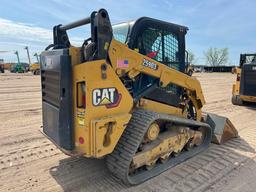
point(213, 56)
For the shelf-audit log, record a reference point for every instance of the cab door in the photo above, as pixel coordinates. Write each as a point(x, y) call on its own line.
point(164, 43)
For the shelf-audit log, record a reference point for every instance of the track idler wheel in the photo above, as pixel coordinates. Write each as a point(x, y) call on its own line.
point(153, 132)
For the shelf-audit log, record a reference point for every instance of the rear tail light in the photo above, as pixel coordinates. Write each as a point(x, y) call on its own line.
point(238, 77)
point(81, 140)
point(81, 95)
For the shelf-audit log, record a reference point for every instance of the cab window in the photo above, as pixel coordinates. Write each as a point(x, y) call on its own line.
point(120, 32)
point(160, 45)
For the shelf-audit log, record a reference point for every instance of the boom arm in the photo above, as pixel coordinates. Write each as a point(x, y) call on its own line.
point(138, 63)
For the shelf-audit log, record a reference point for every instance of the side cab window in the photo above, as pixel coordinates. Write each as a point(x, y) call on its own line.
point(160, 45)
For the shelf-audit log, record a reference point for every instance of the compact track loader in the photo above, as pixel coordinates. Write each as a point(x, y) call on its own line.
point(244, 89)
point(125, 95)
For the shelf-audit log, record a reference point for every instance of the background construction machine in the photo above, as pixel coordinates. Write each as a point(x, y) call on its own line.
point(125, 95)
point(17, 68)
point(35, 67)
point(1, 66)
point(244, 89)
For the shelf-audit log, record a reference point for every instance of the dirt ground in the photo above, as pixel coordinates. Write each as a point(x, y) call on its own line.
point(29, 162)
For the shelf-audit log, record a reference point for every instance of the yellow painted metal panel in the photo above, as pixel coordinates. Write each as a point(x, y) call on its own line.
point(101, 87)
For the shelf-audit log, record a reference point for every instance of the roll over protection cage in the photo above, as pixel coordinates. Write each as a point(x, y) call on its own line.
point(101, 33)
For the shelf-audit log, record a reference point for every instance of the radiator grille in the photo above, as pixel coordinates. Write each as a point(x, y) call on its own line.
point(51, 87)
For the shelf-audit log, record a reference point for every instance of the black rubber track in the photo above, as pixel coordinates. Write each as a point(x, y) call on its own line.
point(236, 100)
point(118, 162)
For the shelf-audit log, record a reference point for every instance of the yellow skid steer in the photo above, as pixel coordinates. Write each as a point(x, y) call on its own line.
point(125, 95)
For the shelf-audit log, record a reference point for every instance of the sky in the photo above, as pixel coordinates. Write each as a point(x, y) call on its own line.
point(211, 23)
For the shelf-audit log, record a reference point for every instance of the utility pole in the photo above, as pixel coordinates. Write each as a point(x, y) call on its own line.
point(28, 54)
point(37, 57)
point(18, 57)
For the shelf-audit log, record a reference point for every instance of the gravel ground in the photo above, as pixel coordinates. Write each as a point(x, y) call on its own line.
point(29, 162)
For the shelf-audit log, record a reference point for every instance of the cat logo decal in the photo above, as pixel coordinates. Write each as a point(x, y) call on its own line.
point(106, 96)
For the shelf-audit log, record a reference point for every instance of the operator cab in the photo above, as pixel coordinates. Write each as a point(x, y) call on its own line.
point(158, 40)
